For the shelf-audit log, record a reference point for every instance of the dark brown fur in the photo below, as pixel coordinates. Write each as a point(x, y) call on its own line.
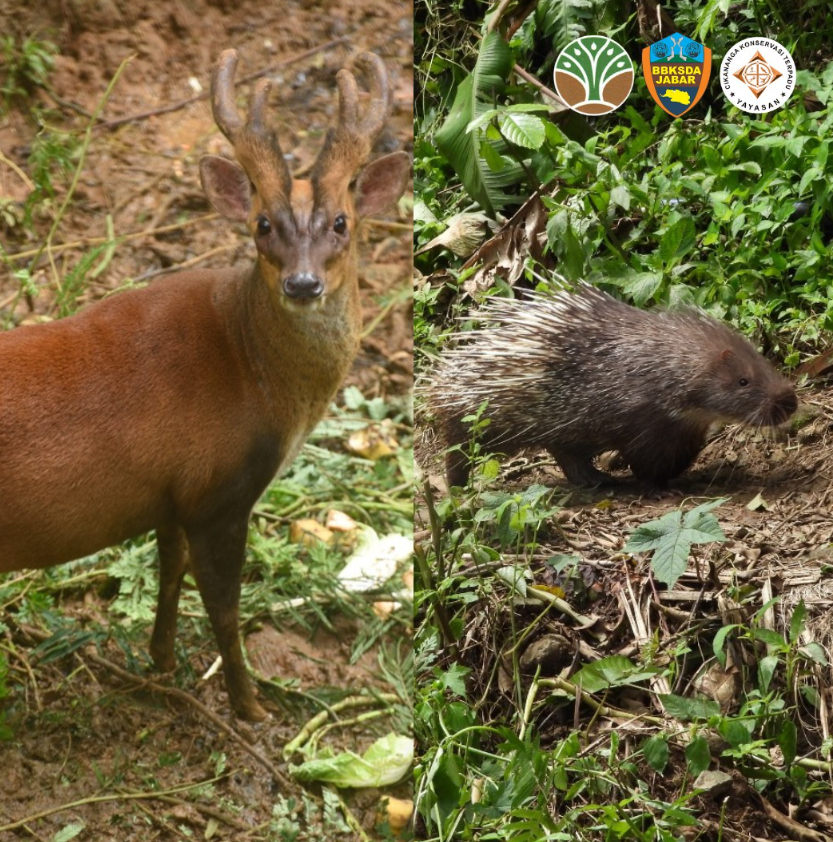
point(172, 407)
point(581, 373)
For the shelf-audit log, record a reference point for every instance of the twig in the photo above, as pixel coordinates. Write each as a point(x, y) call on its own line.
point(189, 699)
point(495, 19)
point(403, 296)
point(312, 726)
point(37, 634)
point(16, 169)
point(598, 707)
point(185, 264)
point(47, 243)
point(528, 77)
point(207, 810)
point(176, 106)
point(65, 103)
point(29, 671)
point(519, 19)
point(156, 818)
point(136, 235)
point(98, 799)
point(352, 821)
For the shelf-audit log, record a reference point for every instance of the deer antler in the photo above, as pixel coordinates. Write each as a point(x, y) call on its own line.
point(255, 144)
point(348, 146)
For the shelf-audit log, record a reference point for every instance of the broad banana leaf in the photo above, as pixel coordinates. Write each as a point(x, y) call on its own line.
point(476, 94)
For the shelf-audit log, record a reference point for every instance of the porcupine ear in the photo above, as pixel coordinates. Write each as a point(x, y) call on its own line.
point(726, 354)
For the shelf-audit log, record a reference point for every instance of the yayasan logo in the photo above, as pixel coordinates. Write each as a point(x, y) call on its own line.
point(677, 72)
point(593, 75)
point(757, 75)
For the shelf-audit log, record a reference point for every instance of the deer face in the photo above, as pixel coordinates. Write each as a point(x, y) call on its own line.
point(304, 230)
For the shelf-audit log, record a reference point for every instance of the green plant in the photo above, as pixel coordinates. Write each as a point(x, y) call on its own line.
point(671, 537)
point(727, 211)
point(27, 64)
point(53, 154)
point(475, 155)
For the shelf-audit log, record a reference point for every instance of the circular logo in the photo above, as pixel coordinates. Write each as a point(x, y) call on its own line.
point(593, 75)
point(757, 75)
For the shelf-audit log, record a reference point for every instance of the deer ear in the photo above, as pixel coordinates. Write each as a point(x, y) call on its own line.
point(381, 183)
point(227, 187)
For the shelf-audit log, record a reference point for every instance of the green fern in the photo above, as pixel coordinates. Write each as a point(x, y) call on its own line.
point(565, 20)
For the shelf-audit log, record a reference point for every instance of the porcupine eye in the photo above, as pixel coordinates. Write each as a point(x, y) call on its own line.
point(743, 382)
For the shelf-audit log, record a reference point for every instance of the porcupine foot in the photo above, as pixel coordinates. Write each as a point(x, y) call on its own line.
point(457, 468)
point(578, 468)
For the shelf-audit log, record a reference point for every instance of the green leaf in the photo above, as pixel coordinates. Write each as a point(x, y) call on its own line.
point(69, 832)
point(678, 240)
point(689, 710)
point(810, 176)
point(642, 286)
point(446, 782)
point(515, 577)
point(766, 669)
point(612, 671)
point(718, 642)
point(650, 536)
point(814, 652)
point(475, 95)
point(698, 756)
point(797, 621)
point(574, 256)
point(454, 679)
point(736, 732)
point(671, 538)
point(656, 753)
point(621, 196)
point(489, 115)
point(491, 156)
point(769, 141)
point(768, 636)
point(524, 130)
point(788, 741)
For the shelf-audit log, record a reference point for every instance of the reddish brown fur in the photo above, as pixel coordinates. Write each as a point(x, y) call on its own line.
point(172, 407)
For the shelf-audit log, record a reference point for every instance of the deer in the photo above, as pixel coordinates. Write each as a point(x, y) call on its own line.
point(171, 407)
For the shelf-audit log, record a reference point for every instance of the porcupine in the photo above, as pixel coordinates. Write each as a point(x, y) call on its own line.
point(579, 373)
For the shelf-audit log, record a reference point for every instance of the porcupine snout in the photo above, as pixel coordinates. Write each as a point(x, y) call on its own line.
point(780, 406)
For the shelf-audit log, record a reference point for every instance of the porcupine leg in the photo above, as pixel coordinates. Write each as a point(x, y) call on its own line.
point(578, 467)
point(457, 465)
point(457, 468)
point(670, 453)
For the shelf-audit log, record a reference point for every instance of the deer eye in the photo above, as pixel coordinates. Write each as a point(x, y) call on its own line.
point(263, 225)
point(340, 224)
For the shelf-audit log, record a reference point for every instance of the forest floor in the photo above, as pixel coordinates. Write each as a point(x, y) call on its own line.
point(765, 590)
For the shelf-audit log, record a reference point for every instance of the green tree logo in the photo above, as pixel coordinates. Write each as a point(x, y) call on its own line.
point(594, 75)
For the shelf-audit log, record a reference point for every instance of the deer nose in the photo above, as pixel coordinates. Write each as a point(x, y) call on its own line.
point(303, 286)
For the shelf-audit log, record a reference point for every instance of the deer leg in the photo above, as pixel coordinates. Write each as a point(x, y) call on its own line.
point(173, 562)
point(217, 551)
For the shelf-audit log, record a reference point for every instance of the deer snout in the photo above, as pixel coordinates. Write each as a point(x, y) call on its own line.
point(303, 286)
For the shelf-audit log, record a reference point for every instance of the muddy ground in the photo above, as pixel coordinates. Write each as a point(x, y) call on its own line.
point(87, 738)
